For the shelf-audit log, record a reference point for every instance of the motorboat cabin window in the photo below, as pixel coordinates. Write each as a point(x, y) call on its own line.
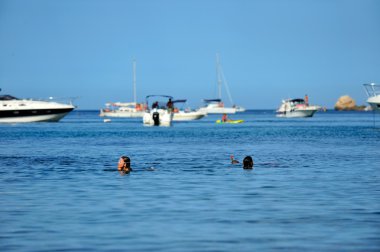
point(7, 98)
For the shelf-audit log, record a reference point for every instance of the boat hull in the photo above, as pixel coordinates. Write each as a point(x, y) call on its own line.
point(33, 115)
point(221, 110)
point(374, 102)
point(188, 116)
point(122, 114)
point(297, 113)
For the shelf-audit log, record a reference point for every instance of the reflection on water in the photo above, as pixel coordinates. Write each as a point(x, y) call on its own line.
point(315, 185)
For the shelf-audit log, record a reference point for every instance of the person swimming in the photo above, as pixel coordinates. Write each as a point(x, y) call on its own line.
point(248, 162)
point(124, 164)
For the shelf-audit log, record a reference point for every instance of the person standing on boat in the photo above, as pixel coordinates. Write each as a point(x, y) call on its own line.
point(124, 164)
point(155, 105)
point(169, 105)
point(307, 100)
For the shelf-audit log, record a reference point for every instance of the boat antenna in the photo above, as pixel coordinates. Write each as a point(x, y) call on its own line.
point(134, 81)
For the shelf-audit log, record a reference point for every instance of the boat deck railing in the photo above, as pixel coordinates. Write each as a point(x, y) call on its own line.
point(372, 89)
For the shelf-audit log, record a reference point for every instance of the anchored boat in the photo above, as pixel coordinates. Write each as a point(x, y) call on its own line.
point(15, 110)
point(296, 108)
point(159, 114)
point(186, 114)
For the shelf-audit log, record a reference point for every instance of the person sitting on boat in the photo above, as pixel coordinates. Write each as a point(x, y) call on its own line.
point(248, 162)
point(224, 118)
point(124, 164)
point(169, 104)
point(155, 105)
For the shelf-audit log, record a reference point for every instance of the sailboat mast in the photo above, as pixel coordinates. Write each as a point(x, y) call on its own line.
point(218, 77)
point(134, 81)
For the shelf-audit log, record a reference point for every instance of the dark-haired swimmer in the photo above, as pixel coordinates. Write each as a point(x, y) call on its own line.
point(124, 164)
point(248, 162)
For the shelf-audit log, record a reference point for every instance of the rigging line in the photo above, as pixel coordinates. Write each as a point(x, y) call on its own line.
point(226, 86)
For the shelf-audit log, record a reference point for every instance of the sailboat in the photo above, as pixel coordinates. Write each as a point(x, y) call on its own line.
point(217, 106)
point(125, 109)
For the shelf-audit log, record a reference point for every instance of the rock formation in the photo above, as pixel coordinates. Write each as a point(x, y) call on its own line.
point(347, 103)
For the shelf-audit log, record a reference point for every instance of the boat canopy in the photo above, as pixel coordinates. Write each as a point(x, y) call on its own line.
point(7, 98)
point(166, 96)
point(180, 101)
point(212, 100)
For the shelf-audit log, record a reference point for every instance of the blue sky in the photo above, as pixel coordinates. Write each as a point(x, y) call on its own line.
point(269, 49)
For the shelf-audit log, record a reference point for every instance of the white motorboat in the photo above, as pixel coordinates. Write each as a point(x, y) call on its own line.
point(296, 108)
point(186, 114)
point(125, 109)
point(216, 106)
point(14, 110)
point(159, 114)
point(373, 93)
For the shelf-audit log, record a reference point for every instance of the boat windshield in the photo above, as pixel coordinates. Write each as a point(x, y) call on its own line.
point(372, 89)
point(297, 101)
point(7, 98)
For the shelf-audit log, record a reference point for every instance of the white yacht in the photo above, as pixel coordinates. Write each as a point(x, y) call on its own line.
point(186, 114)
point(15, 110)
point(373, 93)
point(125, 109)
point(296, 108)
point(159, 114)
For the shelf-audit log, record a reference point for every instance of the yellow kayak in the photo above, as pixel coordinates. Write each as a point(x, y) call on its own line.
point(230, 121)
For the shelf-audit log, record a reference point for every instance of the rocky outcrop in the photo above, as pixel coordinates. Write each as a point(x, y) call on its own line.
point(347, 103)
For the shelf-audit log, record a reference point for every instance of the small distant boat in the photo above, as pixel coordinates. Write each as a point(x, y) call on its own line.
point(296, 108)
point(159, 114)
point(107, 120)
point(125, 109)
point(373, 93)
point(15, 110)
point(182, 114)
point(229, 121)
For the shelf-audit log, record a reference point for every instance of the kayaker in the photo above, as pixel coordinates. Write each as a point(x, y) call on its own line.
point(248, 162)
point(124, 164)
point(224, 118)
point(169, 104)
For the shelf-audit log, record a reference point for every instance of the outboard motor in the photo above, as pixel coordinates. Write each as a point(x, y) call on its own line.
point(156, 119)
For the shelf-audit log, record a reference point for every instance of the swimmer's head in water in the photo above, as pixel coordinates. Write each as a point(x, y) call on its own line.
point(126, 160)
point(248, 162)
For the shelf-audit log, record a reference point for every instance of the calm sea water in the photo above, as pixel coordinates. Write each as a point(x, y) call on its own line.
point(315, 186)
